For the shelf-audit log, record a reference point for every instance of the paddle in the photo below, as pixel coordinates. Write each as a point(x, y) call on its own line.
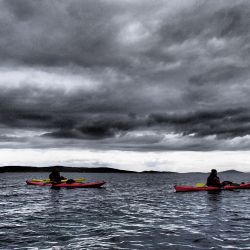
point(48, 180)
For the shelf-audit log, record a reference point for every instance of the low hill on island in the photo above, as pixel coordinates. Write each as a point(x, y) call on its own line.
point(62, 169)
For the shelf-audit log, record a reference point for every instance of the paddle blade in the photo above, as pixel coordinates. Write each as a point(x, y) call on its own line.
point(200, 184)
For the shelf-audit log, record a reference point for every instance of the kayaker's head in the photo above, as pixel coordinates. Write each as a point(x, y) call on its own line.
point(213, 172)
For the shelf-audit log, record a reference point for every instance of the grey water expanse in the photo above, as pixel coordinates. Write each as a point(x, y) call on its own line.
point(133, 211)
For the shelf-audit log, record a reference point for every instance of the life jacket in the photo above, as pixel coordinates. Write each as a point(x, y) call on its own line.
point(55, 176)
point(213, 181)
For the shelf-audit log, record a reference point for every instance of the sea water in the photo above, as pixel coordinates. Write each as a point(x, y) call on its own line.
point(133, 211)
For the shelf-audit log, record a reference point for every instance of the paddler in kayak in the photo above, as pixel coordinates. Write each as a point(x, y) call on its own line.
point(213, 180)
point(55, 176)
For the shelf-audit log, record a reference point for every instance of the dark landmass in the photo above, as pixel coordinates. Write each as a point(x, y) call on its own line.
point(231, 171)
point(157, 172)
point(90, 170)
point(61, 169)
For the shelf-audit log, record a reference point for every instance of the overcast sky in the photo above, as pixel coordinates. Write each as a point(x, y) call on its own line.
point(88, 79)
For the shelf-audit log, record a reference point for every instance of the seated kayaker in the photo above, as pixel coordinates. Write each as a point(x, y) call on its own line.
point(213, 180)
point(55, 176)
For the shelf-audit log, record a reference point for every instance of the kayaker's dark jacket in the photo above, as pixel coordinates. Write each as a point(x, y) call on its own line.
point(55, 176)
point(213, 181)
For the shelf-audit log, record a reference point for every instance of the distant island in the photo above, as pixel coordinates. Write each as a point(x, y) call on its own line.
point(69, 169)
point(231, 171)
point(90, 170)
point(62, 169)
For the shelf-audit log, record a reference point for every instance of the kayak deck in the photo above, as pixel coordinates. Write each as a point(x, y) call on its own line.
point(193, 189)
point(96, 184)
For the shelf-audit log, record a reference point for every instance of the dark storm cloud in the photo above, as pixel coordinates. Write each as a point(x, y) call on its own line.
point(218, 75)
point(85, 33)
point(113, 72)
point(95, 129)
point(222, 123)
point(58, 32)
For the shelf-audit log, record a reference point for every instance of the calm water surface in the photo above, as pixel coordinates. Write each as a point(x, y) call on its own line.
point(133, 211)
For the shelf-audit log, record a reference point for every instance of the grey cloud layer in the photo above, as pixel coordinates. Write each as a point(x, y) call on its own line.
point(165, 67)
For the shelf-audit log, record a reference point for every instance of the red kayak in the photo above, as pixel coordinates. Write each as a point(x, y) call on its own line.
point(228, 187)
point(71, 185)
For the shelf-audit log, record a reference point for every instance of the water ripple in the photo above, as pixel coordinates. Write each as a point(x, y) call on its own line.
point(134, 211)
